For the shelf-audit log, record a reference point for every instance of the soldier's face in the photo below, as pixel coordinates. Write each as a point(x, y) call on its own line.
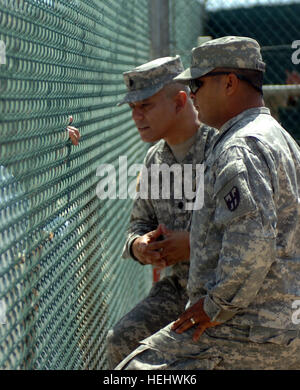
point(154, 117)
point(208, 101)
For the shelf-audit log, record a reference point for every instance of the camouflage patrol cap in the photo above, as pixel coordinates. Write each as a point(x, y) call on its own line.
point(226, 52)
point(147, 79)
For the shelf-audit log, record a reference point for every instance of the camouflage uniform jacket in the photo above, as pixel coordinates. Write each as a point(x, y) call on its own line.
point(245, 241)
point(147, 214)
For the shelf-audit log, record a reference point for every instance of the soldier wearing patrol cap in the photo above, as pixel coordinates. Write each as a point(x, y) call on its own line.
point(244, 277)
point(164, 114)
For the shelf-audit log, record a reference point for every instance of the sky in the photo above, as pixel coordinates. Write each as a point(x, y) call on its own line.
point(225, 4)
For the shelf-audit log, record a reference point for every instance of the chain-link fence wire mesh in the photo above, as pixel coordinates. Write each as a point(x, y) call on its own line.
point(62, 282)
point(186, 25)
point(276, 26)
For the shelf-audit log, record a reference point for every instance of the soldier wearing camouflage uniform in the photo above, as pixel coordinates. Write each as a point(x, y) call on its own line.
point(244, 277)
point(181, 140)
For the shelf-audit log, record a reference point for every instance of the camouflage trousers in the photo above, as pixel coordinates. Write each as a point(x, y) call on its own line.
point(165, 302)
point(224, 347)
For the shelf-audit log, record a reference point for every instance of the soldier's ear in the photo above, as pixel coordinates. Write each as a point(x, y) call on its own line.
point(232, 83)
point(180, 100)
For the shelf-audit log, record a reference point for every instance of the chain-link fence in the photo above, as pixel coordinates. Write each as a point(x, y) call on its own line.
point(186, 25)
point(276, 26)
point(62, 281)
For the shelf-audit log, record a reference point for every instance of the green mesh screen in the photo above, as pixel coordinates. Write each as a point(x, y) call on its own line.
point(62, 282)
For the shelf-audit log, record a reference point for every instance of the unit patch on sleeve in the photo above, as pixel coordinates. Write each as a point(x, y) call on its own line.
point(233, 194)
point(232, 199)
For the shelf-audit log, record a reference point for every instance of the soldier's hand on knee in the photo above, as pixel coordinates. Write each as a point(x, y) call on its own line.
point(194, 316)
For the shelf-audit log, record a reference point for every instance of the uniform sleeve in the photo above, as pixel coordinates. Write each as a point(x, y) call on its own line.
point(212, 135)
point(245, 213)
point(142, 220)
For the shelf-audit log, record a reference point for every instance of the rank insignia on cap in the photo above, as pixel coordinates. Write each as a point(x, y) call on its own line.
point(232, 199)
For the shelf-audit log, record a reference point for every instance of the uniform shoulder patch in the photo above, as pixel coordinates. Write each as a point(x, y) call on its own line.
point(233, 193)
point(232, 199)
